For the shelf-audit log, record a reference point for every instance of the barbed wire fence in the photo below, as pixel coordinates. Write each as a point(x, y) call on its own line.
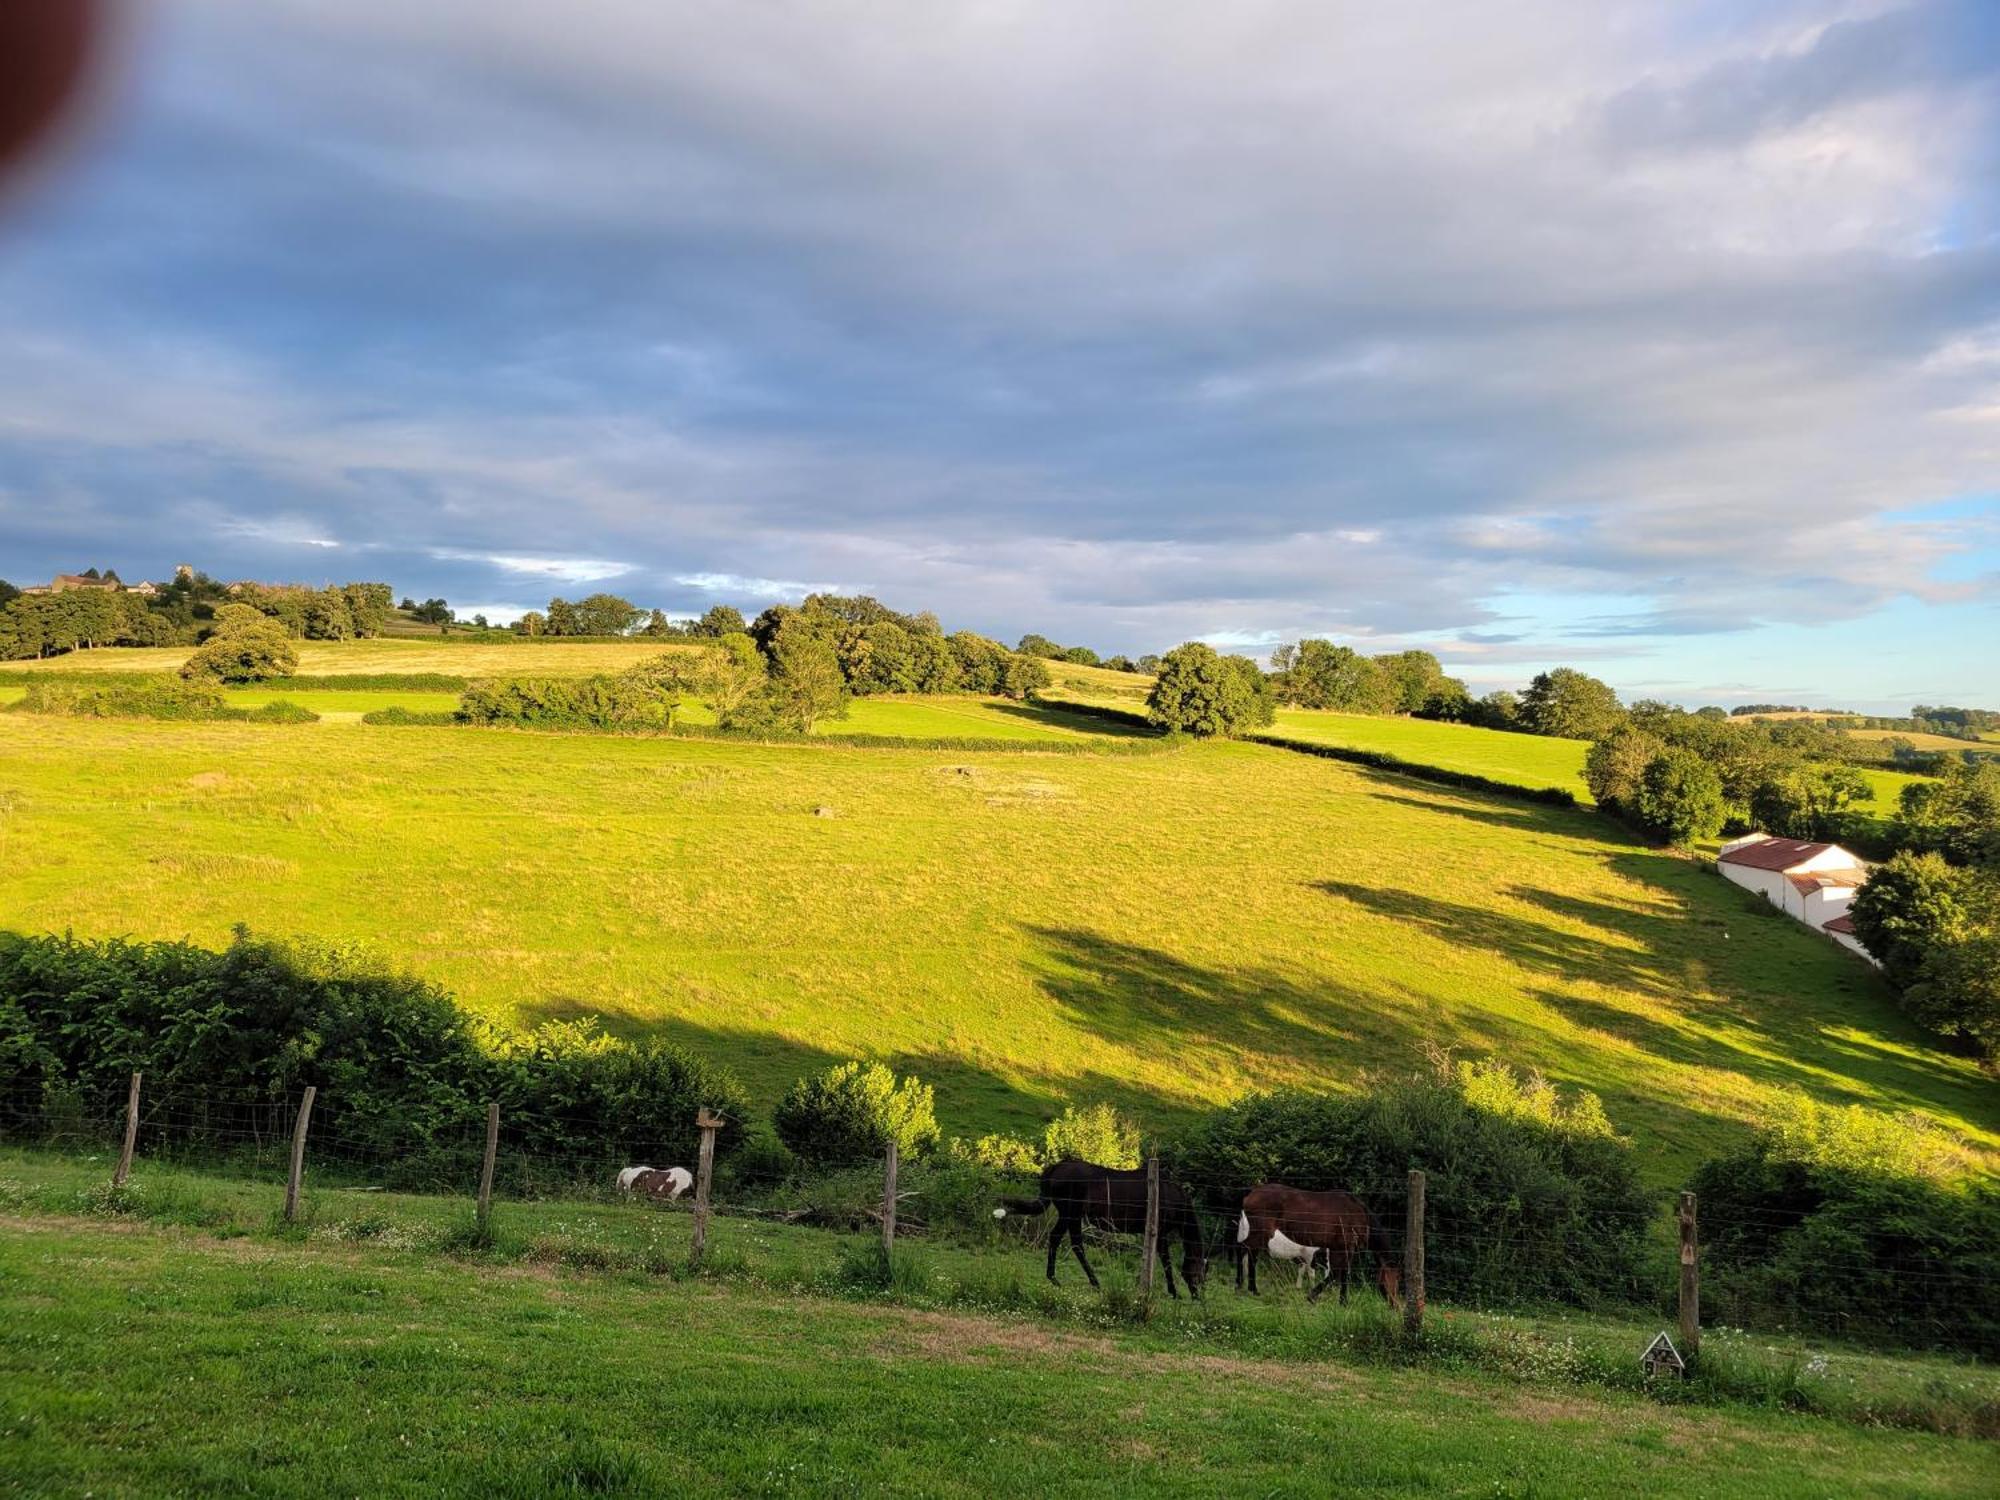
point(285, 1140)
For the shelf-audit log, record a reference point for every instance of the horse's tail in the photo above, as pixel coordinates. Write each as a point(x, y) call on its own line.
point(1378, 1240)
point(1028, 1206)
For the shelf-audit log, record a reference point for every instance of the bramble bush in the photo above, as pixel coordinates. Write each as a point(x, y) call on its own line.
point(150, 698)
point(1530, 1193)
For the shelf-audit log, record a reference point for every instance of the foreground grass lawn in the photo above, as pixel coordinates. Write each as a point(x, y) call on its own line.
point(1161, 931)
point(151, 1363)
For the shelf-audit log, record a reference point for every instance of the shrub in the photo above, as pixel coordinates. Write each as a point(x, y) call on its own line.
point(1849, 1220)
point(851, 1112)
point(579, 1093)
point(1530, 1193)
point(996, 1153)
point(1095, 1134)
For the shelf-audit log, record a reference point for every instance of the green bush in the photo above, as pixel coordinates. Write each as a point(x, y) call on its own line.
point(1855, 1222)
point(150, 698)
point(1530, 1195)
point(228, 1039)
point(851, 1112)
point(1097, 1134)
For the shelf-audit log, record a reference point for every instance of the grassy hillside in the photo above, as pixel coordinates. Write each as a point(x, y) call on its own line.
point(1161, 931)
point(159, 1363)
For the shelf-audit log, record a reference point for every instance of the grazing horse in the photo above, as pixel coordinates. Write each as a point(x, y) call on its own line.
point(667, 1185)
point(1292, 1224)
point(1114, 1198)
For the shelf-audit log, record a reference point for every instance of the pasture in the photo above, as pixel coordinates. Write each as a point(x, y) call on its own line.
point(1022, 930)
point(1523, 759)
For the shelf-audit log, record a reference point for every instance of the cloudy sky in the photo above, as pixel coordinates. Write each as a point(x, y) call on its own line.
point(1658, 339)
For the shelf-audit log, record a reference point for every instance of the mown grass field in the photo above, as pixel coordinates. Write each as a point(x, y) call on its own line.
point(1163, 932)
point(183, 1344)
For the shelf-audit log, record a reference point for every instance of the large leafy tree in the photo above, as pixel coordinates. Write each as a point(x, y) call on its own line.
point(1616, 766)
point(1807, 801)
point(1199, 691)
point(246, 646)
point(1319, 674)
point(1910, 905)
point(1570, 704)
point(1680, 797)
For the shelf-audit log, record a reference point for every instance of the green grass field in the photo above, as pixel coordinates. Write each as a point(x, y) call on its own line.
point(1161, 931)
point(1529, 760)
point(181, 1343)
point(1523, 759)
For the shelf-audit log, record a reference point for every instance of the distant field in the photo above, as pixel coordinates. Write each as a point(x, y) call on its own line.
point(1523, 759)
point(1096, 685)
point(1916, 741)
point(351, 658)
point(1160, 931)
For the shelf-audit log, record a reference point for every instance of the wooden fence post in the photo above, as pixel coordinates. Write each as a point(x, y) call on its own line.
point(889, 1202)
point(486, 1167)
point(707, 1122)
point(1690, 1282)
point(1413, 1257)
point(298, 1154)
point(1149, 1246)
point(124, 1169)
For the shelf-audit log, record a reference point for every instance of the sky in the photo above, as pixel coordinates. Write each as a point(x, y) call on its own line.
point(1658, 340)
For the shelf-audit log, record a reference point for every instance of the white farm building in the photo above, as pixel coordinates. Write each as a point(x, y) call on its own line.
point(1811, 882)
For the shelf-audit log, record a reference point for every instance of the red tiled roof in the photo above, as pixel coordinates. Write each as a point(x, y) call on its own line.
point(1819, 880)
point(1841, 923)
point(1774, 854)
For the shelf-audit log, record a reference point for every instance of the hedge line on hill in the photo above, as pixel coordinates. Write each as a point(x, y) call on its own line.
point(227, 1041)
point(413, 682)
point(160, 698)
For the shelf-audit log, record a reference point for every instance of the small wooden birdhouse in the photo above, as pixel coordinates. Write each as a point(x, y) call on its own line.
point(1662, 1358)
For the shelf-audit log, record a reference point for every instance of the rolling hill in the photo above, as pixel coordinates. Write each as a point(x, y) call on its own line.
point(1162, 931)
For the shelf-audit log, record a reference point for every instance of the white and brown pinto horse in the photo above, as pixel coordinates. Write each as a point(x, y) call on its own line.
point(663, 1184)
point(1289, 1223)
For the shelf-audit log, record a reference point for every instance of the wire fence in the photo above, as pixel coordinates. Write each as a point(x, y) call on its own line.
point(256, 1135)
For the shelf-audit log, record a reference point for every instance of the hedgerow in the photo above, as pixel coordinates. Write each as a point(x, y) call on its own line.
point(1381, 760)
point(1530, 1194)
point(228, 1039)
point(152, 698)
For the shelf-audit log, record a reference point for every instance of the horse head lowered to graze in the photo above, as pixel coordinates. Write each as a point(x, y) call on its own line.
point(1290, 1223)
point(1115, 1198)
point(663, 1183)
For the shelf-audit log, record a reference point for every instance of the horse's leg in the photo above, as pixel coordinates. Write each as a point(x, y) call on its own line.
point(1345, 1262)
point(1076, 1244)
point(1167, 1265)
point(1055, 1241)
point(1325, 1282)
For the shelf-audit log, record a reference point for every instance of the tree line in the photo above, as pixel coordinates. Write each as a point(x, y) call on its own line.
point(180, 613)
point(783, 672)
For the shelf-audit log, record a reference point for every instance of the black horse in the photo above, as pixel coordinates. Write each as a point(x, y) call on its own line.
point(1115, 1198)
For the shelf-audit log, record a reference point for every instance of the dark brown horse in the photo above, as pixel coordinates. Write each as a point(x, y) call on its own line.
point(1292, 1224)
point(1115, 1198)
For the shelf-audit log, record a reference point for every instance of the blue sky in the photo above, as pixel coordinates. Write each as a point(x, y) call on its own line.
point(1658, 340)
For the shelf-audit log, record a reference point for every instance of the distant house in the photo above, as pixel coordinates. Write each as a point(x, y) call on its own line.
point(62, 583)
point(1810, 882)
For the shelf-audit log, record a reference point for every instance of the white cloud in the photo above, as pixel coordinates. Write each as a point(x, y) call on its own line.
point(560, 569)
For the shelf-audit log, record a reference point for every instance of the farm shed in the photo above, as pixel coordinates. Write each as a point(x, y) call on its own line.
point(1810, 882)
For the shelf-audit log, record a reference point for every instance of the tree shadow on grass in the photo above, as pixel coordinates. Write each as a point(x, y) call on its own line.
point(1734, 1007)
point(1497, 811)
point(1053, 715)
